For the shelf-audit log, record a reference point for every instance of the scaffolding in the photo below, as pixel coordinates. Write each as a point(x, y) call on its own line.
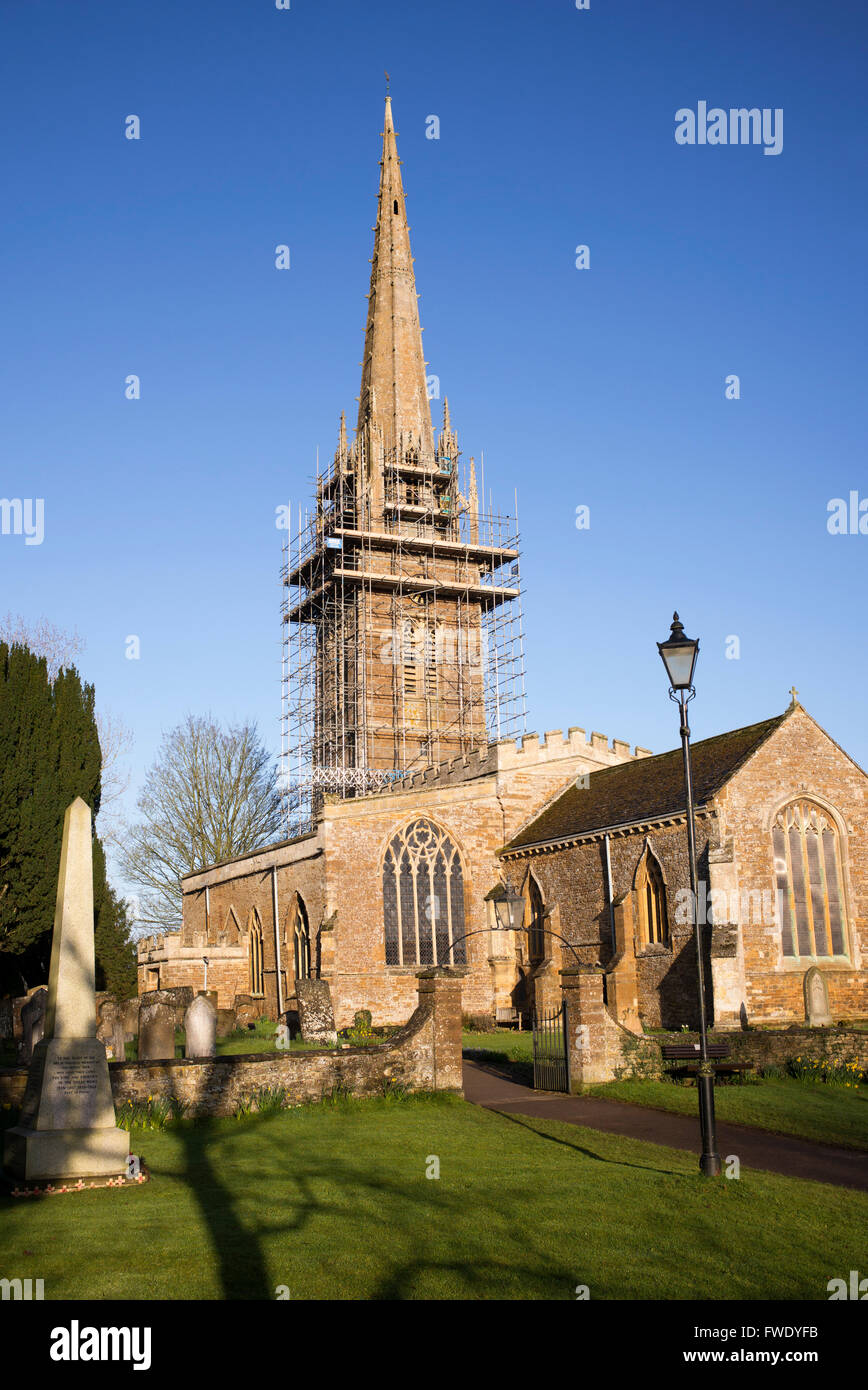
point(402, 626)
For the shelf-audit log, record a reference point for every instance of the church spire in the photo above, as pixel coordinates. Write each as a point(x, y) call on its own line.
point(394, 395)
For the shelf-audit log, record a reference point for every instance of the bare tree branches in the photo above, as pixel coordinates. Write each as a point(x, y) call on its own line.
point(43, 639)
point(211, 794)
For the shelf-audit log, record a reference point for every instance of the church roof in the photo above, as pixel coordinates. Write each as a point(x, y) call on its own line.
point(644, 788)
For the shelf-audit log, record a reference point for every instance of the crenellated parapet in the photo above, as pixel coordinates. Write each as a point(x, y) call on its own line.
point(522, 755)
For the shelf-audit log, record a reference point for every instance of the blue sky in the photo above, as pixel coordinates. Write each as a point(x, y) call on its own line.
point(602, 387)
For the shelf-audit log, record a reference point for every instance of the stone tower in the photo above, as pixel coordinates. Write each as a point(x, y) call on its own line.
point(397, 582)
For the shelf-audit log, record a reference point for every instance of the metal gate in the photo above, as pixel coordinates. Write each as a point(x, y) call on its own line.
point(550, 1068)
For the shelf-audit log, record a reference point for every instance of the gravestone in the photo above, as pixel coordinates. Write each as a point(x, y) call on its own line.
point(32, 1024)
point(131, 1019)
point(156, 1032)
point(281, 1037)
point(179, 998)
point(315, 1013)
point(225, 1022)
point(67, 1126)
point(110, 1027)
point(816, 999)
point(200, 1025)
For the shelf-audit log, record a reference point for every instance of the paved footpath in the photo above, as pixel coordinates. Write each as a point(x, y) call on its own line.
point(491, 1088)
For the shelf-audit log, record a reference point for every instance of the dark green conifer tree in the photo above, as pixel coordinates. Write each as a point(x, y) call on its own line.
point(49, 754)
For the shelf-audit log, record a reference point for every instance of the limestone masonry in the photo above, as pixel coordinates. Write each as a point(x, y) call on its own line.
point(414, 793)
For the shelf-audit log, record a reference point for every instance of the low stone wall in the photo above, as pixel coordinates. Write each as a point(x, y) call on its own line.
point(775, 1046)
point(12, 1083)
point(425, 1055)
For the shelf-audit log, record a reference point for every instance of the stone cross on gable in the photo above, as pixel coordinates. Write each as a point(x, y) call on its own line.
point(794, 695)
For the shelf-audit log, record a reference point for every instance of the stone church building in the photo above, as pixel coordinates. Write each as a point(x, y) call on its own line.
point(413, 801)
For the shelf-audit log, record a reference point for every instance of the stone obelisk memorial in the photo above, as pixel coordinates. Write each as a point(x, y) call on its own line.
point(67, 1126)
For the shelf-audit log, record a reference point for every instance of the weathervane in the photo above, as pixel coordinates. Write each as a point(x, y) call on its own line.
point(388, 83)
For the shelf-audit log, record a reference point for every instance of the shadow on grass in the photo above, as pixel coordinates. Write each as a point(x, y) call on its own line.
point(395, 1207)
point(525, 1122)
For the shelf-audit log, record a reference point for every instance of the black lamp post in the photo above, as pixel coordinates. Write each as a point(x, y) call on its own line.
point(679, 655)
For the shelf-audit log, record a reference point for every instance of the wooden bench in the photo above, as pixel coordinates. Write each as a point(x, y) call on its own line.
point(503, 1016)
point(688, 1055)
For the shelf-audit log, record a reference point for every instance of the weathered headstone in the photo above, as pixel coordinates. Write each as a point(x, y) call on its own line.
point(816, 998)
point(67, 1126)
point(131, 1019)
point(156, 1032)
point(179, 998)
point(110, 1029)
point(315, 1013)
point(200, 1025)
point(281, 1037)
point(110, 1026)
point(32, 1023)
point(226, 1022)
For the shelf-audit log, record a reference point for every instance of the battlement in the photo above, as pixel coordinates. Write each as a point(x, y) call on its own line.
point(520, 755)
point(156, 942)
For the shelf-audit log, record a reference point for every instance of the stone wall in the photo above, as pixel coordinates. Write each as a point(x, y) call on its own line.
point(800, 759)
point(573, 880)
point(599, 1049)
point(772, 1047)
point(424, 1055)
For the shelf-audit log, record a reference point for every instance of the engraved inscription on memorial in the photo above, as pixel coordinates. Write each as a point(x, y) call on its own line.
point(73, 1075)
point(76, 1085)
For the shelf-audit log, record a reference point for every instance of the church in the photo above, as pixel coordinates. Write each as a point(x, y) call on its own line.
point(415, 796)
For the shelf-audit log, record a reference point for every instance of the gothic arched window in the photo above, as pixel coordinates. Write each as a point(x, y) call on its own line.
point(423, 898)
point(809, 882)
point(301, 941)
point(257, 977)
point(651, 895)
point(536, 932)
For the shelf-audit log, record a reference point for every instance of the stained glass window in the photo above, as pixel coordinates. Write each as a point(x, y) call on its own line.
point(808, 879)
point(423, 898)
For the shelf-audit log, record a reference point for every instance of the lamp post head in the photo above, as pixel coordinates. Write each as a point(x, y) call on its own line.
point(678, 654)
point(508, 906)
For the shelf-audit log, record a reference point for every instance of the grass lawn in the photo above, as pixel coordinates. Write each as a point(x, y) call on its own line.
point(827, 1114)
point(333, 1201)
point(811, 1110)
point(506, 1044)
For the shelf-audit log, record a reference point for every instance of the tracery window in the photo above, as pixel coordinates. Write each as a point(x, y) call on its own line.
point(257, 977)
point(809, 881)
point(423, 898)
point(651, 894)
